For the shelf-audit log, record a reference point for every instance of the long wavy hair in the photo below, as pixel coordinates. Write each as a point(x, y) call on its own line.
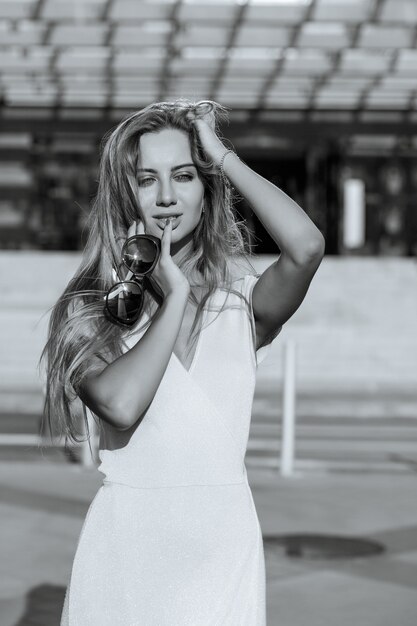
point(79, 333)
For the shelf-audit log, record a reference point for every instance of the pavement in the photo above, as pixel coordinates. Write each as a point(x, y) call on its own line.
point(311, 580)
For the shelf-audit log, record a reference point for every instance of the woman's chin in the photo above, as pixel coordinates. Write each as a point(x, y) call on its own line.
point(180, 241)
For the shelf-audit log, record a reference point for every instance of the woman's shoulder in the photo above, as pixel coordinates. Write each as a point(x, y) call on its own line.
point(241, 270)
point(244, 283)
point(236, 293)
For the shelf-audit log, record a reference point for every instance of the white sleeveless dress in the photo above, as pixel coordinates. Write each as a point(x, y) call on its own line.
point(172, 537)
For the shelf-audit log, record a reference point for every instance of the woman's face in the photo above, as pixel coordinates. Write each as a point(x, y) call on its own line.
point(169, 184)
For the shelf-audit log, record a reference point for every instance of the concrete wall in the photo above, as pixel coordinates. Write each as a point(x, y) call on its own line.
point(356, 329)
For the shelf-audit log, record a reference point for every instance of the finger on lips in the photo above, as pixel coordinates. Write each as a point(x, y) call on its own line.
point(168, 222)
point(166, 236)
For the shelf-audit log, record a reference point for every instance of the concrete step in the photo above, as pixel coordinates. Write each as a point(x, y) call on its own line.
point(334, 466)
point(23, 401)
point(33, 454)
point(372, 442)
point(332, 403)
point(333, 446)
point(24, 423)
point(383, 431)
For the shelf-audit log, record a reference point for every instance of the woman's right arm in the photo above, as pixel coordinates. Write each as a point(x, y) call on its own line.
point(123, 390)
point(121, 393)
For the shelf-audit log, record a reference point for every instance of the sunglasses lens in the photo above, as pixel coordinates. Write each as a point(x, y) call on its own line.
point(140, 254)
point(124, 301)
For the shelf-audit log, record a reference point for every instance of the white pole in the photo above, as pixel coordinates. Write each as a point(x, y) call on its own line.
point(288, 410)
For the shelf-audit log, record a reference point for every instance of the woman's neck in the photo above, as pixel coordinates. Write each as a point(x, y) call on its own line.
point(180, 249)
point(179, 254)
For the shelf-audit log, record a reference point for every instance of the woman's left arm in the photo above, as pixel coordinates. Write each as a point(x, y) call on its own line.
point(281, 288)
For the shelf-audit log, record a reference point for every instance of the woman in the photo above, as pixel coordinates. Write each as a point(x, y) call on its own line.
point(172, 536)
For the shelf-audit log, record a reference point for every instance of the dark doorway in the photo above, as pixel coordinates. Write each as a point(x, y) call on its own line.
point(287, 173)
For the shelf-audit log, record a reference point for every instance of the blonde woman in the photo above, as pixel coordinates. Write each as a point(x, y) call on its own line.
point(159, 335)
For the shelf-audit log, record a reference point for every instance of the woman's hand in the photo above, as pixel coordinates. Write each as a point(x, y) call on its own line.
point(205, 125)
point(167, 275)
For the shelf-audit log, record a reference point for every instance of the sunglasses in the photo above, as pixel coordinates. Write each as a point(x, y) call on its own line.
point(124, 300)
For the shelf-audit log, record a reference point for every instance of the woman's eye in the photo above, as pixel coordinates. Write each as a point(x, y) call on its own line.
point(184, 177)
point(145, 181)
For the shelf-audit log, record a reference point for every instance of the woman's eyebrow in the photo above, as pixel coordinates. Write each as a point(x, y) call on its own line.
point(177, 167)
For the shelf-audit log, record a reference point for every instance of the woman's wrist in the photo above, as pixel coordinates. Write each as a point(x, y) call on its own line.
point(179, 295)
point(218, 154)
point(225, 156)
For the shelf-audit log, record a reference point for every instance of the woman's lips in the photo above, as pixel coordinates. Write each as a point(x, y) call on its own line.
point(161, 221)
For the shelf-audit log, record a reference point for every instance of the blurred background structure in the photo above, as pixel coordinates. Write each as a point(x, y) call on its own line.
point(323, 102)
point(323, 96)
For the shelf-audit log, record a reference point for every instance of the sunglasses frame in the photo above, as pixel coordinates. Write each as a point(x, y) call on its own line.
point(155, 240)
point(136, 279)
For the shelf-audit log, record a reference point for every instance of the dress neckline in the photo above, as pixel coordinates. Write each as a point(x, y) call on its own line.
point(199, 341)
point(198, 346)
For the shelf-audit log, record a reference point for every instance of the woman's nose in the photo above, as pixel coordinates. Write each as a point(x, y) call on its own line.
point(166, 194)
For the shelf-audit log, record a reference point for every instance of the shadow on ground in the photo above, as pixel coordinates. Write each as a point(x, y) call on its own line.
point(43, 606)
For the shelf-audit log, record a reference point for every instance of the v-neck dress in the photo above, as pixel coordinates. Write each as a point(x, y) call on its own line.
point(172, 537)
